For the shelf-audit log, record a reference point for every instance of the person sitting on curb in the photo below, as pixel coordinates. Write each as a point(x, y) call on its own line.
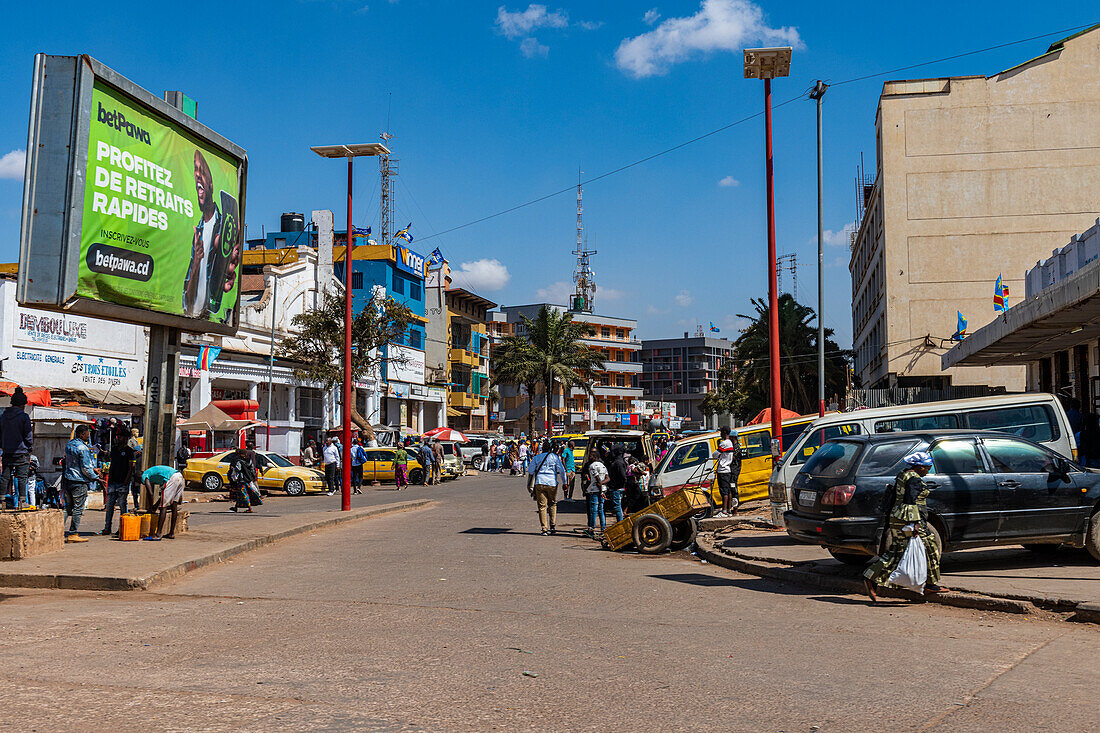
point(170, 482)
point(79, 475)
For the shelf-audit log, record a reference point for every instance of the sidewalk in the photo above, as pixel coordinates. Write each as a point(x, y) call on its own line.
point(215, 534)
point(1007, 578)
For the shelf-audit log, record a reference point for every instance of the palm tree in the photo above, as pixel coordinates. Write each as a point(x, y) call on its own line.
point(797, 360)
point(514, 363)
point(555, 342)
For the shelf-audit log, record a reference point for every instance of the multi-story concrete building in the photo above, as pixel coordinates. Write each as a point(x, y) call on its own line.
point(683, 370)
point(976, 177)
point(615, 389)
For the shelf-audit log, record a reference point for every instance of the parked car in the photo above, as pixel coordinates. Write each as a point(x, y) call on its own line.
point(275, 473)
point(452, 461)
point(580, 445)
point(471, 450)
point(987, 488)
point(1036, 416)
point(379, 466)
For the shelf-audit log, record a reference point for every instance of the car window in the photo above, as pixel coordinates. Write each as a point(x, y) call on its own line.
point(688, 456)
point(279, 460)
point(379, 455)
point(956, 456)
point(755, 444)
point(819, 436)
point(791, 434)
point(885, 459)
point(1016, 456)
point(226, 458)
point(923, 422)
point(833, 459)
point(261, 460)
point(1033, 422)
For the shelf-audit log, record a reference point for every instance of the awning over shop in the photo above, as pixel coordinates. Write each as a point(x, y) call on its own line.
point(452, 412)
point(212, 418)
point(35, 395)
point(1056, 318)
point(110, 397)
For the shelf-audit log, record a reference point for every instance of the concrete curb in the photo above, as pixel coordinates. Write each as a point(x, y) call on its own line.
point(116, 583)
point(836, 584)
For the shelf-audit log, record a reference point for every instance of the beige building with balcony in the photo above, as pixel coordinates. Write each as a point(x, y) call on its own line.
point(976, 177)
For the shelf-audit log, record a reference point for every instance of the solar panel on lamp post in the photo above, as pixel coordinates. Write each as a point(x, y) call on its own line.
point(350, 152)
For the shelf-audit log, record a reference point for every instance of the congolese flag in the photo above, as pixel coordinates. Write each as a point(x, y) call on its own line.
point(207, 355)
point(1000, 295)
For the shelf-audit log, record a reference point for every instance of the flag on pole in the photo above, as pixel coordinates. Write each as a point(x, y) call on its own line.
point(714, 328)
point(960, 330)
point(404, 234)
point(361, 231)
point(207, 355)
point(436, 257)
point(1000, 295)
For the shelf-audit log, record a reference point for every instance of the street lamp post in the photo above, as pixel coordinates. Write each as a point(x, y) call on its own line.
point(350, 152)
point(817, 94)
point(767, 64)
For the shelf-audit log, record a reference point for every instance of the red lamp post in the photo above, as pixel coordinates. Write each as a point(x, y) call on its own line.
point(350, 152)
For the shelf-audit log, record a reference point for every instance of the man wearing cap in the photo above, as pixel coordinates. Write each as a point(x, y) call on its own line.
point(16, 441)
point(909, 507)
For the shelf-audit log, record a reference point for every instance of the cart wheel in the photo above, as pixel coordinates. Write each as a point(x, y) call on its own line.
point(704, 513)
point(683, 533)
point(652, 534)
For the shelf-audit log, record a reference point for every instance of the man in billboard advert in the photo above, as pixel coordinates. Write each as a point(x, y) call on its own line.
point(206, 241)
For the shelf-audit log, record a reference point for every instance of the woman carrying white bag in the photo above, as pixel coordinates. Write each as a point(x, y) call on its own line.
point(911, 559)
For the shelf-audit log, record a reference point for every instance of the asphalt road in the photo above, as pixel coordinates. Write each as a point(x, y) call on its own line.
point(439, 620)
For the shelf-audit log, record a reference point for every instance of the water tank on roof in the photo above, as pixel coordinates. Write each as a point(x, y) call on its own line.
point(292, 222)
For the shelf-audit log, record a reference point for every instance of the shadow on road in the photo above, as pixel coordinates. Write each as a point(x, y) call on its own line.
point(486, 530)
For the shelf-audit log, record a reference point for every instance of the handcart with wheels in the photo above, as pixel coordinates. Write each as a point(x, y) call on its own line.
point(666, 524)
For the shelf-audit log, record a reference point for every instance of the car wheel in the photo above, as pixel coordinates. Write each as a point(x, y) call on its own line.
point(416, 476)
point(295, 487)
point(477, 463)
point(652, 534)
point(212, 482)
point(1092, 537)
point(683, 533)
point(849, 558)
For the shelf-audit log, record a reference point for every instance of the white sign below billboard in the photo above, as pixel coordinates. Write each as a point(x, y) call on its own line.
point(405, 364)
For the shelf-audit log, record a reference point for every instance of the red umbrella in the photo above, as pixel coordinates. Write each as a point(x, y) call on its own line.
point(447, 434)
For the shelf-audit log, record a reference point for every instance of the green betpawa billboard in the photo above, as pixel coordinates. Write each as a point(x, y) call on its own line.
point(161, 226)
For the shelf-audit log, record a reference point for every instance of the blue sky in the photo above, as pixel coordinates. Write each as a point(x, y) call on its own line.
point(494, 105)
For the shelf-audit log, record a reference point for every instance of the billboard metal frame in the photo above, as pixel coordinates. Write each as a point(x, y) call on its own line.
point(53, 205)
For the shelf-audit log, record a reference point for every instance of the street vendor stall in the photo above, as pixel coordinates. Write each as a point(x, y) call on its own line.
point(211, 430)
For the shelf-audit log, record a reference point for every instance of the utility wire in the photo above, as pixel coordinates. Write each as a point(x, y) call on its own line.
point(735, 123)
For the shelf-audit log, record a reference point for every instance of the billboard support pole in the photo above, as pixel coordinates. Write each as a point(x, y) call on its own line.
point(161, 387)
point(345, 489)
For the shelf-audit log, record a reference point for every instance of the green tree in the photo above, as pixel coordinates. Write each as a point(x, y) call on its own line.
point(514, 363)
point(317, 343)
point(723, 398)
point(751, 388)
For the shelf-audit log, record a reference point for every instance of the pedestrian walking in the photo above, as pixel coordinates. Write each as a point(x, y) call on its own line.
point(484, 456)
point(358, 458)
point(427, 457)
point(169, 481)
point(79, 474)
point(401, 467)
point(523, 457)
point(183, 454)
point(617, 472)
point(120, 475)
point(16, 443)
point(309, 454)
point(331, 457)
point(595, 489)
point(570, 463)
point(241, 475)
point(727, 468)
point(906, 511)
point(546, 476)
point(513, 459)
point(437, 460)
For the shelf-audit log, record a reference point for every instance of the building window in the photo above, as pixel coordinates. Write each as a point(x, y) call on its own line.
point(605, 332)
point(356, 280)
point(398, 284)
point(622, 406)
point(622, 333)
point(620, 380)
point(311, 406)
point(414, 339)
point(572, 405)
point(414, 291)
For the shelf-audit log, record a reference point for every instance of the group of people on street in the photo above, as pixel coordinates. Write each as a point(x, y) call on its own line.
point(514, 456)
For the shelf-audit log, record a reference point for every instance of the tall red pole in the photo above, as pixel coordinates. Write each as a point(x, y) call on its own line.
point(345, 490)
point(773, 288)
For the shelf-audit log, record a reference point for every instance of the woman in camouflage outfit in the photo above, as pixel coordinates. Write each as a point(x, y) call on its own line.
point(909, 507)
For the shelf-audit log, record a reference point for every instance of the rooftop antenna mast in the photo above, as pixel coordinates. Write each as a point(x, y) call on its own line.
point(387, 167)
point(583, 276)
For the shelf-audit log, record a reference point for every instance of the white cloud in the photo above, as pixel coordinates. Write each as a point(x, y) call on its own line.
point(531, 48)
point(654, 310)
point(12, 164)
point(839, 239)
point(720, 25)
point(590, 25)
point(561, 291)
point(483, 275)
point(684, 299)
point(729, 181)
point(651, 16)
point(520, 23)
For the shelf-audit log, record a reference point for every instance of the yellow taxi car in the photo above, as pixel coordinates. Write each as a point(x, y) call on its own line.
point(580, 445)
point(379, 465)
point(275, 473)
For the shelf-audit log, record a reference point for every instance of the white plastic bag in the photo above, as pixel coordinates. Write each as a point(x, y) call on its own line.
point(912, 571)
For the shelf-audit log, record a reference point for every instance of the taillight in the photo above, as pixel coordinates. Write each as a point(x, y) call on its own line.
point(838, 495)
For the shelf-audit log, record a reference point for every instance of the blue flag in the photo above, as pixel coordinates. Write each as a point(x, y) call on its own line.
point(960, 331)
point(404, 234)
point(714, 328)
point(436, 257)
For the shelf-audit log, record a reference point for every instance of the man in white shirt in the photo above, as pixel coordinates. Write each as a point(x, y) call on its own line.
point(331, 456)
point(597, 479)
point(727, 467)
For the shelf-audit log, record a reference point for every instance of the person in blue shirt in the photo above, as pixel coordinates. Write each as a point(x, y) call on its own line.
point(427, 458)
point(79, 475)
point(570, 462)
point(546, 475)
point(358, 458)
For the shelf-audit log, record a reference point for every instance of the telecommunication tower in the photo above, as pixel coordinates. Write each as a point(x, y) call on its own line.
point(787, 263)
point(583, 276)
point(387, 167)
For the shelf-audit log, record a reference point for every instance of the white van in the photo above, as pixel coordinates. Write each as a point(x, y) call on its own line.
point(1039, 417)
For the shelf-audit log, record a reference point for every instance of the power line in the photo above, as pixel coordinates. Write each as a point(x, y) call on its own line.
point(741, 121)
